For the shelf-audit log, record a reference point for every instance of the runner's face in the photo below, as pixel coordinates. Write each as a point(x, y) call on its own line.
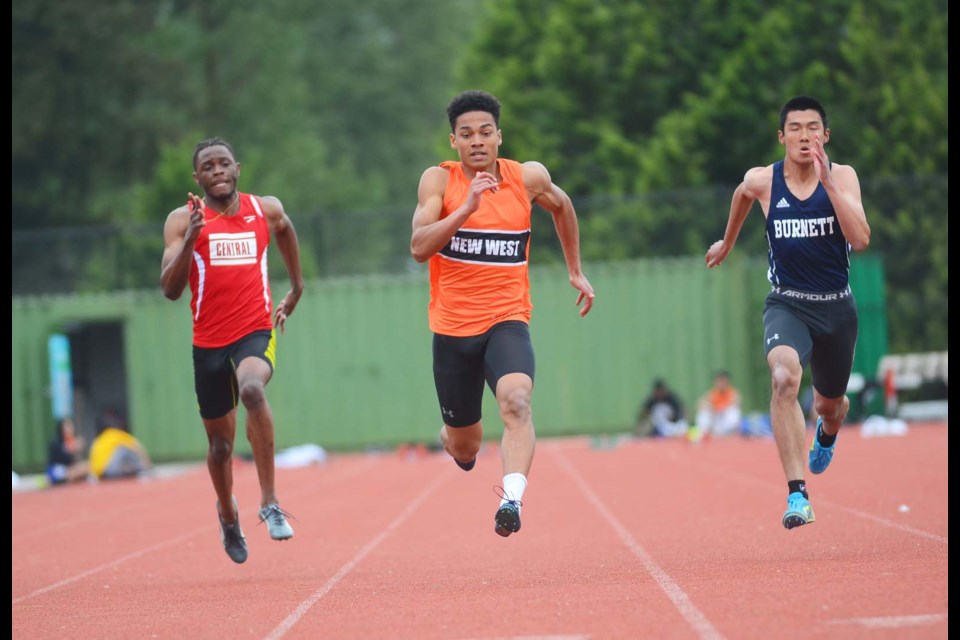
point(217, 172)
point(476, 139)
point(800, 131)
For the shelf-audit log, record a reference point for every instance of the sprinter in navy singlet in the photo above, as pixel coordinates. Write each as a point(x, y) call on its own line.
point(814, 218)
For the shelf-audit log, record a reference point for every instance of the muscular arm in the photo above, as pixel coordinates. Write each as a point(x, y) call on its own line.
point(179, 235)
point(281, 227)
point(545, 193)
point(755, 186)
point(430, 232)
point(843, 189)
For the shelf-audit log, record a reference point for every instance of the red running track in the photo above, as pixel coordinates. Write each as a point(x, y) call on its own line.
point(621, 538)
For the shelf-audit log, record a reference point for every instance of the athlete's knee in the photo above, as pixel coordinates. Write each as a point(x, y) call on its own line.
point(252, 393)
point(785, 381)
point(463, 443)
point(831, 409)
point(219, 449)
point(515, 405)
point(466, 450)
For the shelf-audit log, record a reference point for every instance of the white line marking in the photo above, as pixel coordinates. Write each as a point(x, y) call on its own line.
point(129, 556)
point(884, 521)
point(305, 606)
point(550, 637)
point(137, 554)
point(895, 622)
point(739, 475)
point(680, 600)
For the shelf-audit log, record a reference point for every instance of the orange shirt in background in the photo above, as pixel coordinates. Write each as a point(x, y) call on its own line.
point(721, 399)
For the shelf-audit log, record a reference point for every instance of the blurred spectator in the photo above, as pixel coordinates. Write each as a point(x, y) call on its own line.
point(115, 453)
point(65, 459)
point(719, 412)
point(661, 414)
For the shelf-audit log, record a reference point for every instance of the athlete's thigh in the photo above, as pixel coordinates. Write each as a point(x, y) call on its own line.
point(458, 377)
point(784, 324)
point(214, 382)
point(509, 350)
point(833, 349)
point(255, 355)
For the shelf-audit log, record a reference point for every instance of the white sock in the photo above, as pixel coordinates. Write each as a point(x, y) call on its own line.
point(514, 485)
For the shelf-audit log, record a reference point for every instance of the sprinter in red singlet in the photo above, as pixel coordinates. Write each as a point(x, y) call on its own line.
point(472, 222)
point(218, 245)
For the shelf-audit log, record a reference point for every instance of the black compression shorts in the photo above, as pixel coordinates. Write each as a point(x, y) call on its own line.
point(461, 364)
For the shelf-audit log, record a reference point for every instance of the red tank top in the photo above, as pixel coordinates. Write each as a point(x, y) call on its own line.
point(481, 276)
point(228, 279)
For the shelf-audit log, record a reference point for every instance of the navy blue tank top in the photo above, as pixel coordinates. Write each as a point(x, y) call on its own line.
point(808, 251)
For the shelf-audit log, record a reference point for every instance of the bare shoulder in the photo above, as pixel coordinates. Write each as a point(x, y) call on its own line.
point(270, 204)
point(758, 175)
point(178, 218)
point(433, 181)
point(435, 175)
point(843, 170)
point(758, 181)
point(536, 177)
point(533, 170)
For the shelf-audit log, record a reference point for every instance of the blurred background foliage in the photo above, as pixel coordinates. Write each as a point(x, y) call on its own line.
point(648, 114)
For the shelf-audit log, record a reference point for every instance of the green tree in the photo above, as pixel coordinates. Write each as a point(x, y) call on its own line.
point(619, 97)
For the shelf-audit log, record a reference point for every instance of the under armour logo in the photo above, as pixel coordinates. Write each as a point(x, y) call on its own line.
point(775, 336)
point(446, 412)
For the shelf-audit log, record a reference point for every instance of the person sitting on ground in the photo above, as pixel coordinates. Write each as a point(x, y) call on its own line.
point(662, 413)
point(719, 411)
point(65, 461)
point(116, 453)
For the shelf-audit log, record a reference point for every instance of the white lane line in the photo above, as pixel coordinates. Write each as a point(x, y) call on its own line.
point(895, 622)
point(305, 606)
point(549, 637)
point(752, 480)
point(129, 556)
point(160, 545)
point(680, 599)
point(885, 522)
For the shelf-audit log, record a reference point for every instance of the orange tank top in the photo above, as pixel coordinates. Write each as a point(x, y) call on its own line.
point(481, 277)
point(720, 400)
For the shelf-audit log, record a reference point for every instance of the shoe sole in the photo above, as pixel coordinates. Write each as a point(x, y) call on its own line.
point(507, 521)
point(793, 521)
point(240, 560)
point(466, 466)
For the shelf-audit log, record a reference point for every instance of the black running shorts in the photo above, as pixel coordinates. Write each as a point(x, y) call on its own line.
point(461, 364)
point(821, 327)
point(215, 371)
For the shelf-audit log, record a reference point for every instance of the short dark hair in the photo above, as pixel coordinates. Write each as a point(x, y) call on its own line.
point(473, 100)
point(802, 103)
point(211, 142)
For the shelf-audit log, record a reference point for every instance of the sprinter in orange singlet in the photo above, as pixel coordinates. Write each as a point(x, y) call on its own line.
point(472, 222)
